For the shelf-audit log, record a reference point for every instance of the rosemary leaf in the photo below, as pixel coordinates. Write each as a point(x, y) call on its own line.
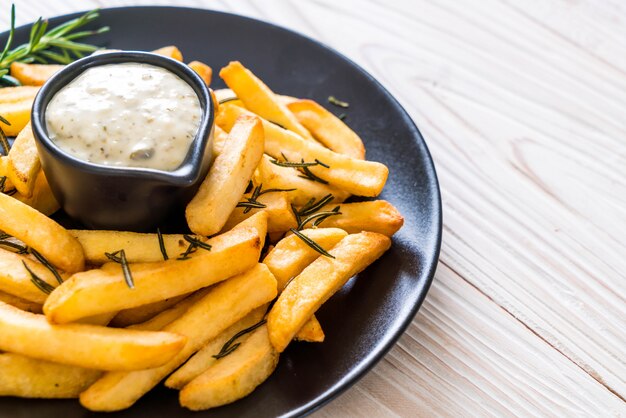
point(14, 246)
point(120, 257)
point(342, 117)
point(192, 248)
point(308, 241)
point(162, 244)
point(228, 99)
point(228, 347)
point(195, 241)
point(333, 100)
point(41, 284)
point(47, 265)
point(318, 217)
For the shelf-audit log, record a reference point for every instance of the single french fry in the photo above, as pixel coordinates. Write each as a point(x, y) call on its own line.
point(290, 256)
point(16, 280)
point(23, 163)
point(97, 291)
point(225, 304)
point(144, 313)
point(204, 71)
point(139, 247)
point(42, 199)
point(170, 52)
point(258, 97)
point(82, 345)
point(328, 128)
point(358, 177)
point(41, 233)
point(228, 177)
point(169, 315)
point(319, 281)
point(18, 94)
point(272, 176)
point(234, 376)
point(219, 139)
point(204, 358)
point(374, 216)
point(26, 377)
point(20, 303)
point(17, 113)
point(33, 74)
point(280, 217)
point(311, 331)
point(100, 319)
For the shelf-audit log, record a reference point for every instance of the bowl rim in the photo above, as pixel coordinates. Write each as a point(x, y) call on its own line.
point(190, 169)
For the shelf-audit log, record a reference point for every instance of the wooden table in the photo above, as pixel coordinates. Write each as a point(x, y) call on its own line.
point(523, 106)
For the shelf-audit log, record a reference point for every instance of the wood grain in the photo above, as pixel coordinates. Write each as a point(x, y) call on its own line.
point(522, 105)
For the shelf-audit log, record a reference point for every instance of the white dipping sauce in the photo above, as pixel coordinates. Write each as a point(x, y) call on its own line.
point(130, 115)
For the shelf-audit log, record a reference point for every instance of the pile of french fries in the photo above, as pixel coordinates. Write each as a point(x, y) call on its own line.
point(104, 316)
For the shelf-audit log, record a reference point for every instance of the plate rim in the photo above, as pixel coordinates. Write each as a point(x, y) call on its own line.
point(378, 353)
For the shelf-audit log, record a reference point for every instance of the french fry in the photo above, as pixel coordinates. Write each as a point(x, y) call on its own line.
point(291, 255)
point(20, 303)
point(358, 177)
point(204, 71)
point(228, 177)
point(87, 346)
point(97, 291)
point(170, 52)
point(23, 163)
point(31, 378)
point(272, 176)
point(374, 216)
point(16, 280)
point(42, 199)
point(311, 331)
point(101, 319)
point(258, 97)
point(139, 247)
point(169, 315)
point(17, 94)
point(219, 139)
point(287, 100)
point(33, 74)
point(280, 217)
point(143, 313)
point(319, 281)
point(328, 128)
point(204, 358)
point(17, 113)
point(41, 233)
point(232, 377)
point(225, 304)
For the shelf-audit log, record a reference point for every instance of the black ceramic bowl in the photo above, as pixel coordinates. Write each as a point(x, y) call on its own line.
point(122, 198)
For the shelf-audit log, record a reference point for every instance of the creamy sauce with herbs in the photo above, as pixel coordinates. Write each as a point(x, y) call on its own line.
point(129, 115)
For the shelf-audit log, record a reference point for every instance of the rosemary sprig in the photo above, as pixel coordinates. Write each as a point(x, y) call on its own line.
point(47, 265)
point(340, 103)
point(120, 257)
point(195, 241)
point(252, 202)
point(4, 141)
point(56, 45)
point(318, 217)
point(20, 249)
point(229, 346)
point(162, 244)
point(303, 168)
point(308, 241)
point(311, 207)
point(41, 284)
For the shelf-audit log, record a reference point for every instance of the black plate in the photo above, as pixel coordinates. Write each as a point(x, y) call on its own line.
point(369, 314)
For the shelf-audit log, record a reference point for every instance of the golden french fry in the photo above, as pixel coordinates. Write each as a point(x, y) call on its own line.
point(100, 319)
point(319, 281)
point(204, 71)
point(258, 97)
point(287, 100)
point(23, 163)
point(204, 358)
point(280, 217)
point(291, 255)
point(17, 113)
point(358, 177)
point(219, 139)
point(82, 345)
point(41, 233)
point(31, 378)
point(139, 247)
point(33, 74)
point(17, 94)
point(311, 331)
point(167, 316)
point(97, 291)
point(42, 199)
point(328, 128)
point(374, 216)
point(228, 177)
point(20, 303)
point(232, 377)
point(16, 280)
point(225, 304)
point(272, 176)
point(143, 313)
point(170, 52)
